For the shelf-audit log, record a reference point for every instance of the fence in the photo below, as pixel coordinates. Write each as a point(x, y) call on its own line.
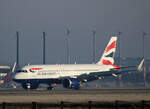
point(68, 105)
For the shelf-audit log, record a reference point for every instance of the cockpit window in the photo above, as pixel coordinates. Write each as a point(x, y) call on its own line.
point(31, 71)
point(18, 71)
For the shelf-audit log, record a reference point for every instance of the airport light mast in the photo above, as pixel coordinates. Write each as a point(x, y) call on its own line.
point(94, 45)
point(119, 51)
point(17, 49)
point(44, 54)
point(144, 70)
point(67, 45)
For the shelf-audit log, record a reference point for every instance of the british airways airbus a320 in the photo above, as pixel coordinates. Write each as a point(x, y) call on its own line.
point(71, 75)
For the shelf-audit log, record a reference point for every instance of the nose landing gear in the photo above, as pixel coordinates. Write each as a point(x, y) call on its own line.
point(29, 86)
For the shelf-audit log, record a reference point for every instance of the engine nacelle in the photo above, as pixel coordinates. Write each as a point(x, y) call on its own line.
point(71, 83)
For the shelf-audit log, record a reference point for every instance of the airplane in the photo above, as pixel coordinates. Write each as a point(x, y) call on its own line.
point(72, 75)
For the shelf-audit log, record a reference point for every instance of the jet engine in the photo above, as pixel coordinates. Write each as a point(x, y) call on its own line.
point(71, 83)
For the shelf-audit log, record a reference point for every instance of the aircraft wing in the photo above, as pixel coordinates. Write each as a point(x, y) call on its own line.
point(114, 72)
point(101, 75)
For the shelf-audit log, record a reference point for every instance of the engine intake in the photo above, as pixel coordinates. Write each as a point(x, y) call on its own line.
point(71, 83)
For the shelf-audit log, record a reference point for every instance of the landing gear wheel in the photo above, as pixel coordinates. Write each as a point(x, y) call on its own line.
point(29, 86)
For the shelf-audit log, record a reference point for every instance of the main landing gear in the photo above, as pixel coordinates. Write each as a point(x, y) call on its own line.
point(50, 87)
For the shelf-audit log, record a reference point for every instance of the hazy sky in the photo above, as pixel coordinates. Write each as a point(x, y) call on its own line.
point(32, 17)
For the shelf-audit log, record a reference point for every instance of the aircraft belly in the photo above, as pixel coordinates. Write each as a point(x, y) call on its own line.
point(47, 81)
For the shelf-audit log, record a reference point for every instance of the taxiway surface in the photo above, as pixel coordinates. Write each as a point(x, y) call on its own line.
point(75, 95)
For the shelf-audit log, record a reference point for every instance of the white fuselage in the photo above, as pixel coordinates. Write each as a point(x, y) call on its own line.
point(59, 71)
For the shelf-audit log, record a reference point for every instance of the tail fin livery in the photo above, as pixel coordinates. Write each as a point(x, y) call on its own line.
point(108, 55)
point(9, 75)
